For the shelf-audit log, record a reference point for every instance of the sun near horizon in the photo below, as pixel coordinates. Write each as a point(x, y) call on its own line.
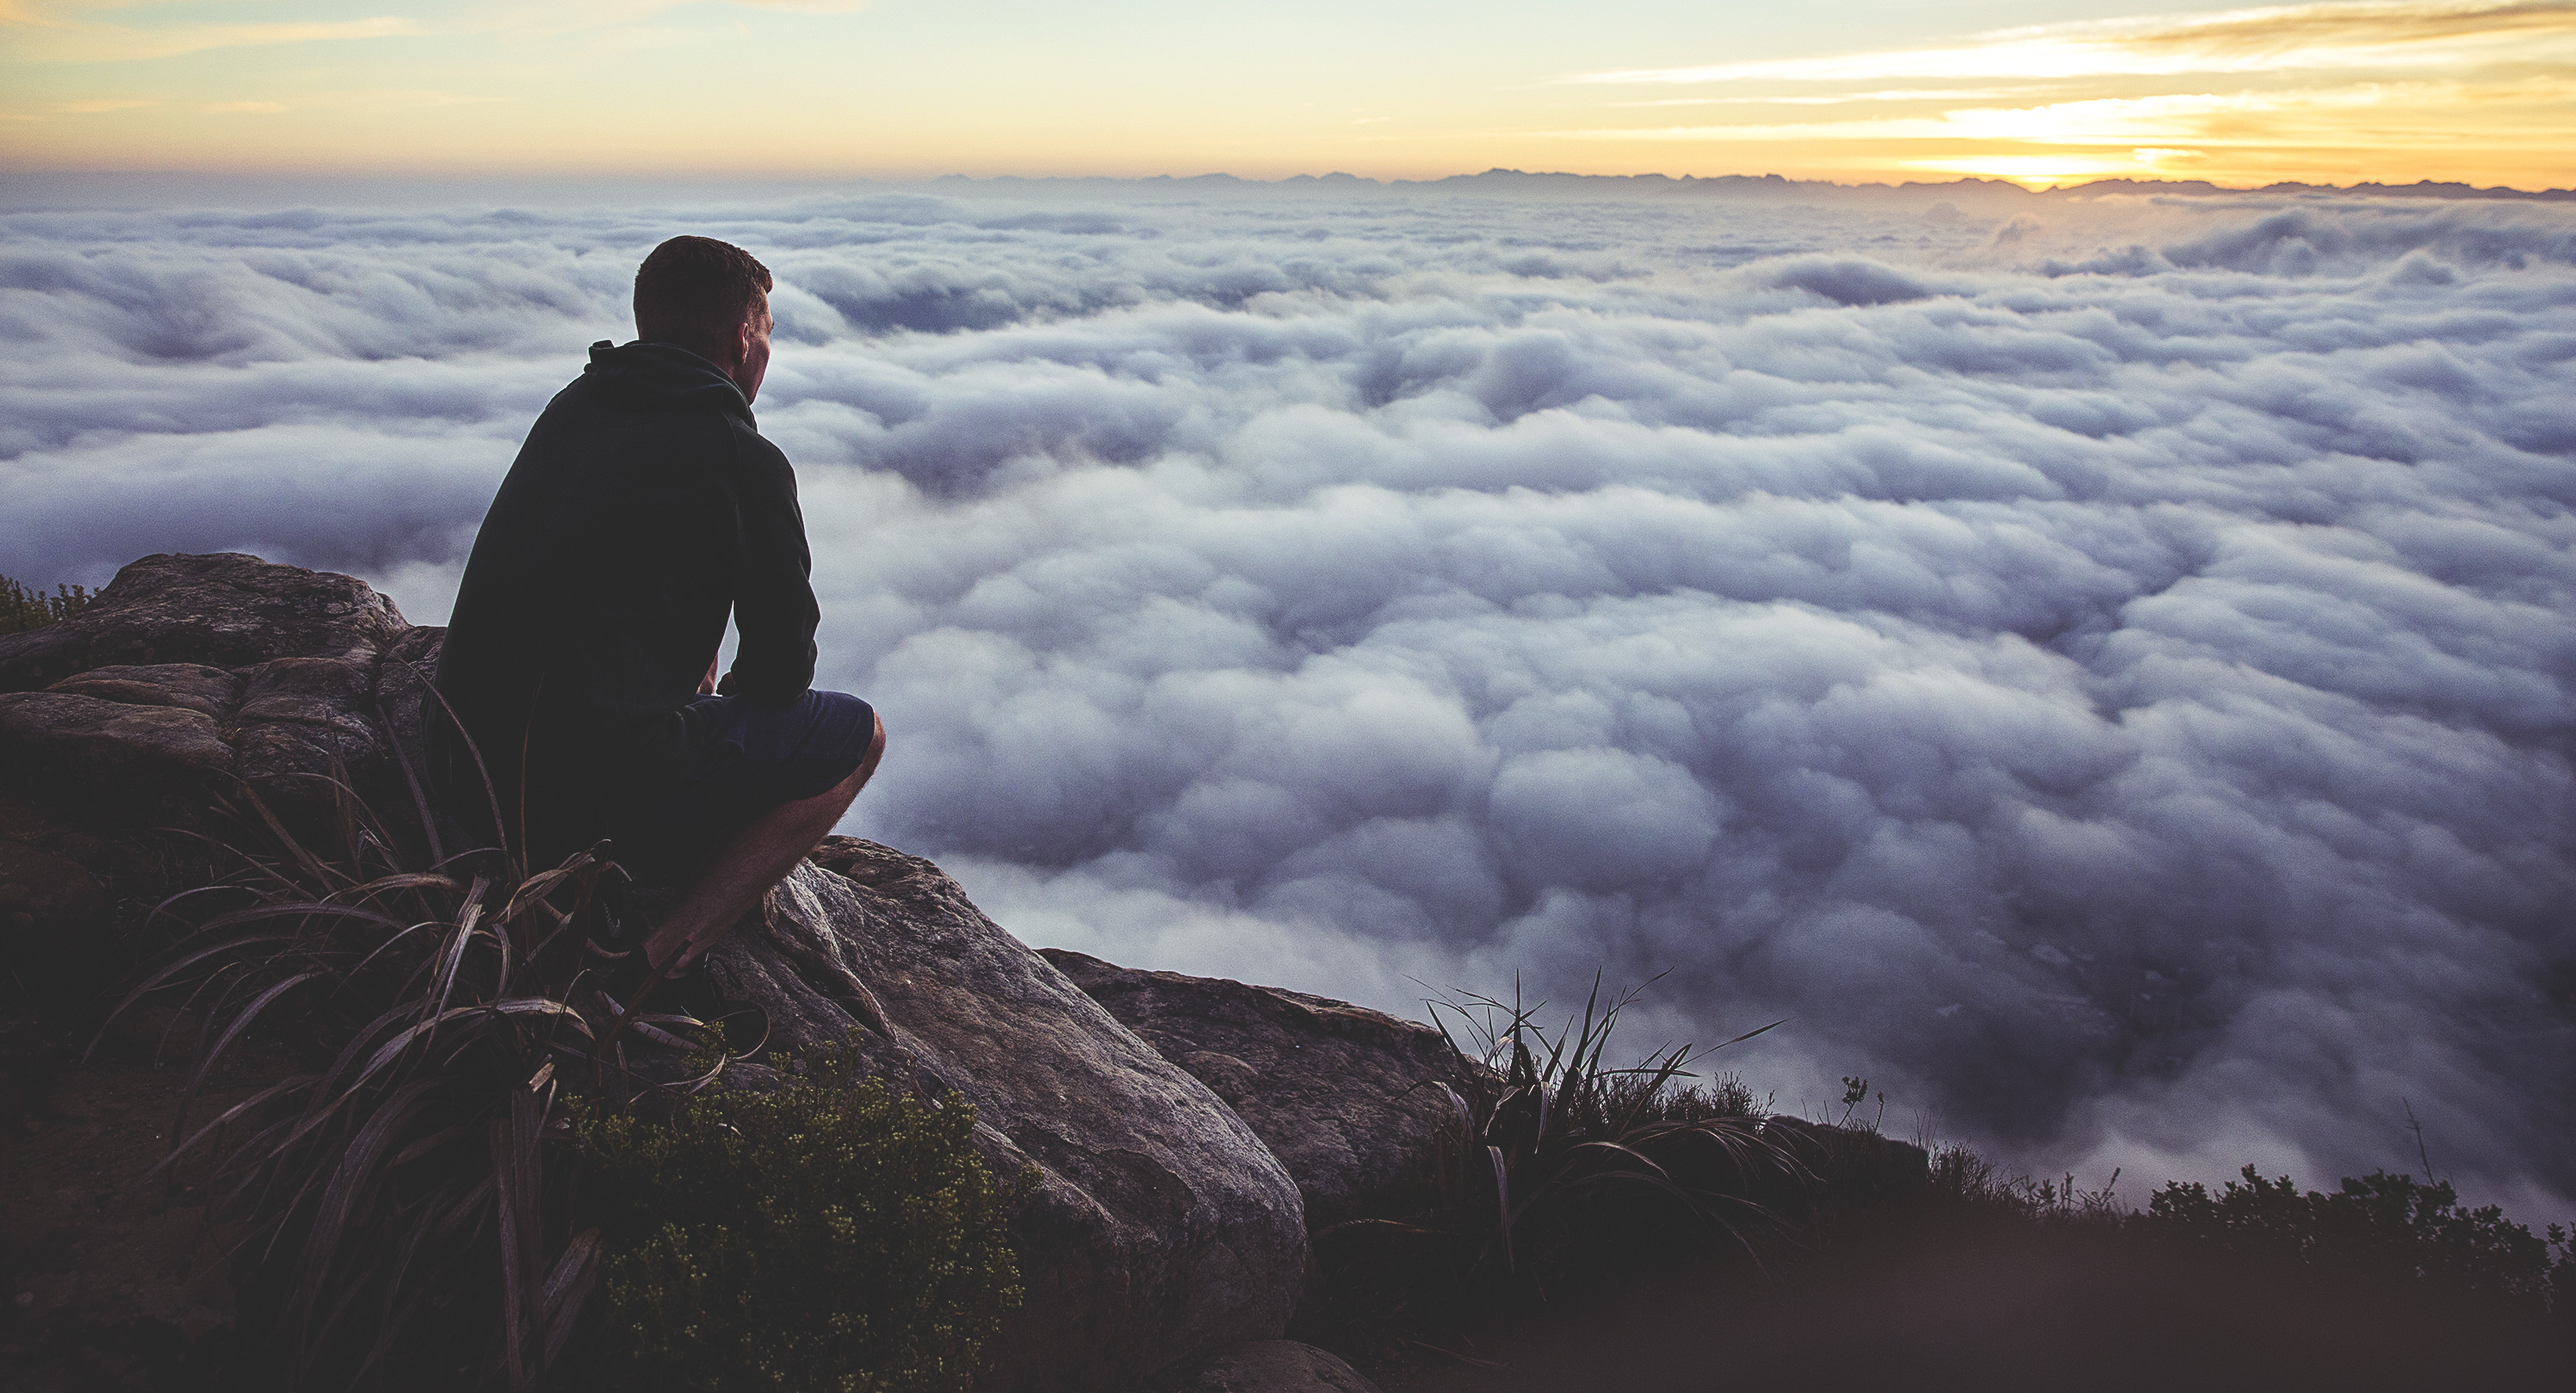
point(2037, 92)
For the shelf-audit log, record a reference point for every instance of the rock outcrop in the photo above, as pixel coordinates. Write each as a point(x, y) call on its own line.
point(1160, 1228)
point(1356, 1103)
point(223, 610)
point(190, 674)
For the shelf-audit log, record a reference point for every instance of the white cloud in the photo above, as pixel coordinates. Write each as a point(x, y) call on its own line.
point(2102, 672)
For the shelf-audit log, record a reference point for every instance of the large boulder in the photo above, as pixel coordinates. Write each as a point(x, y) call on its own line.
point(106, 748)
point(190, 676)
point(209, 691)
point(1358, 1104)
point(222, 610)
point(1160, 1228)
point(1853, 1160)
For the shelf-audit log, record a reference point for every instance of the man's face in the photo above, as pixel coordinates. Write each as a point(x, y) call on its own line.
point(755, 351)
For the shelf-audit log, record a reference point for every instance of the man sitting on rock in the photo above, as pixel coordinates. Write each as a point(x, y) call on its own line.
point(643, 510)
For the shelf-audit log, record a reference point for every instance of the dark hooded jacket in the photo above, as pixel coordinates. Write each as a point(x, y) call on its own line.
point(642, 511)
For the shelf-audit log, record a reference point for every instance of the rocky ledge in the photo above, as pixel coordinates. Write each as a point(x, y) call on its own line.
point(1184, 1132)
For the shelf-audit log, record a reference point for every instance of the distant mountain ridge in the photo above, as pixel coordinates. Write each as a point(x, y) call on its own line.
point(65, 190)
point(1514, 181)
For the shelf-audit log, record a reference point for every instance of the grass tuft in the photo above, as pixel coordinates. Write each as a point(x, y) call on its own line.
point(397, 1197)
point(1566, 1171)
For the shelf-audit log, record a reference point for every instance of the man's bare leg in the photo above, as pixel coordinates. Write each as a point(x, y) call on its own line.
point(758, 857)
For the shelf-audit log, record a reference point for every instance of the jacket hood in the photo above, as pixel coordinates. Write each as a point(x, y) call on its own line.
point(642, 376)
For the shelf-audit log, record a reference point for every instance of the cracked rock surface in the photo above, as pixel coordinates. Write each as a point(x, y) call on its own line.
point(1160, 1228)
point(1356, 1103)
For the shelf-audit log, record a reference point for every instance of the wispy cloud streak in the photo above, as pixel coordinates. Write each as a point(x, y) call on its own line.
point(2529, 114)
point(2231, 96)
point(52, 40)
point(2289, 38)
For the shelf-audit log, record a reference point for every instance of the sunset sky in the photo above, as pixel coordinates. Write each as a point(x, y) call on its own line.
point(2039, 91)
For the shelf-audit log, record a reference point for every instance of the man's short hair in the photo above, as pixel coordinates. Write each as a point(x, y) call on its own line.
point(695, 291)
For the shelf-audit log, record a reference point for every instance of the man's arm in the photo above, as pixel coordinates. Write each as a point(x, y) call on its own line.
point(773, 602)
point(707, 684)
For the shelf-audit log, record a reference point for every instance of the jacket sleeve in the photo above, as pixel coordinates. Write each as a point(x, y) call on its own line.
point(773, 601)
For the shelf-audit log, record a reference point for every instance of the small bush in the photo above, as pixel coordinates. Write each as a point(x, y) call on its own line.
point(2389, 1225)
point(22, 609)
point(819, 1235)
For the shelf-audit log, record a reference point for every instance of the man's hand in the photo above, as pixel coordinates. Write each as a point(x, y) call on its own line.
point(707, 684)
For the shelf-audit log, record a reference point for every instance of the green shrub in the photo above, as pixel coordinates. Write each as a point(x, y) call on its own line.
point(818, 1235)
point(2380, 1225)
point(2390, 1225)
point(22, 609)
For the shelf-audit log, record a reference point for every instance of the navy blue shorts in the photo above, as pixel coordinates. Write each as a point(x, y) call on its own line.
point(746, 757)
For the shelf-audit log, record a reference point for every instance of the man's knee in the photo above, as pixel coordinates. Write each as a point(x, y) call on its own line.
point(849, 787)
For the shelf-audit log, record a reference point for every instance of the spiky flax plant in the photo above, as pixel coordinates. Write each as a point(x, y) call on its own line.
point(390, 1195)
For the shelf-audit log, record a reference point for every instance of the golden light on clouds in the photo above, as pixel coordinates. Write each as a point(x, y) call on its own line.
point(2340, 92)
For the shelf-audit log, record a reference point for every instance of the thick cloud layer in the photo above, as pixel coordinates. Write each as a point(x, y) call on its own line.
point(2102, 672)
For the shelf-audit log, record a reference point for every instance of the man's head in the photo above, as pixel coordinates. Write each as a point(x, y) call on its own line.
point(710, 298)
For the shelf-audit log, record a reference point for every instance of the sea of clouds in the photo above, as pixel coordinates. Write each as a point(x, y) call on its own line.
point(2099, 669)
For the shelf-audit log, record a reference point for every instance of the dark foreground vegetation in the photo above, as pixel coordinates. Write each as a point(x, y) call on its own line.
point(457, 1175)
point(477, 1159)
point(820, 1234)
point(1605, 1252)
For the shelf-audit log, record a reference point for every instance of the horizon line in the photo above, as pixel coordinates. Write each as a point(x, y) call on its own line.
point(2418, 188)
